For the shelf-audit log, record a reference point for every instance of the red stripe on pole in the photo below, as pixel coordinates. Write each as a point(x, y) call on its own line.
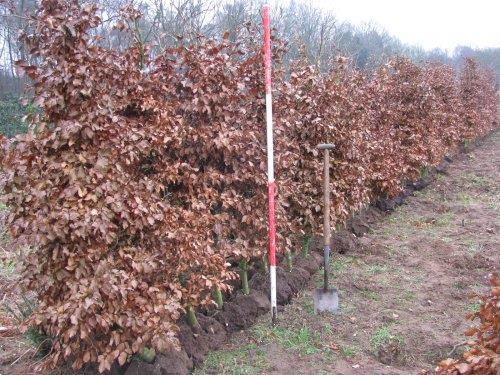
point(267, 47)
point(271, 187)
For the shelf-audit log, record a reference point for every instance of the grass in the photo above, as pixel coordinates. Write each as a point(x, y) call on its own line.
point(397, 225)
point(382, 336)
point(308, 305)
point(444, 219)
point(465, 199)
point(375, 269)
point(474, 307)
point(337, 266)
point(349, 351)
point(7, 267)
point(301, 340)
point(475, 248)
point(393, 219)
point(20, 311)
point(440, 177)
point(248, 359)
point(409, 296)
point(370, 294)
point(473, 180)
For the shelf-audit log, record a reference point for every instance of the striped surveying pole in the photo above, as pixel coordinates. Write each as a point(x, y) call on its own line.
point(271, 186)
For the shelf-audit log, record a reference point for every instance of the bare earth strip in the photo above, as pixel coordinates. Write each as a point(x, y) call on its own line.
point(404, 292)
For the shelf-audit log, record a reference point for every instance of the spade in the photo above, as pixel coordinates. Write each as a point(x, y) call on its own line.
point(325, 298)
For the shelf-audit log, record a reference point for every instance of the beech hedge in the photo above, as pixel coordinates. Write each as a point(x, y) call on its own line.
point(142, 179)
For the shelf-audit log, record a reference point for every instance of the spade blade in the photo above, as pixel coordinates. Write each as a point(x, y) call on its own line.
point(326, 300)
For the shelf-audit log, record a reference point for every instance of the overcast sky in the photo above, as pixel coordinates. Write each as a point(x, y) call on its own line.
point(427, 23)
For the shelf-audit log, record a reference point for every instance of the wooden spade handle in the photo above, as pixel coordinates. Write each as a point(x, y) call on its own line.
point(326, 211)
point(326, 197)
point(326, 191)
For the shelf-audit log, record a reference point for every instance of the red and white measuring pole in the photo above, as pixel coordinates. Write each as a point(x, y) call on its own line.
point(271, 186)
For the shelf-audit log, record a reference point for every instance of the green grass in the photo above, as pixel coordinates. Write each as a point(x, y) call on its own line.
point(370, 294)
point(308, 304)
point(340, 264)
point(375, 269)
point(475, 248)
point(302, 340)
point(7, 267)
point(393, 219)
point(474, 307)
point(470, 179)
point(349, 351)
point(382, 336)
point(409, 295)
point(440, 177)
point(444, 219)
point(465, 199)
point(248, 359)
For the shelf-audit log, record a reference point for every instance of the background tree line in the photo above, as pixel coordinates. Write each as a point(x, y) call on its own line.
point(310, 31)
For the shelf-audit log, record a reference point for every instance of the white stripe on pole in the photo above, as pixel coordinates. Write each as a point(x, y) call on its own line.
point(272, 271)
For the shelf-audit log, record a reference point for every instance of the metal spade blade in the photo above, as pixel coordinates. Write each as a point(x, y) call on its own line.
point(326, 300)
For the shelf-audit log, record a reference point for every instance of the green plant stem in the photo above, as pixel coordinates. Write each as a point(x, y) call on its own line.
point(244, 277)
point(264, 265)
point(288, 260)
point(191, 316)
point(218, 297)
point(147, 354)
point(306, 245)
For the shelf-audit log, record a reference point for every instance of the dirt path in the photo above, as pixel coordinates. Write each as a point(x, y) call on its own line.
point(403, 292)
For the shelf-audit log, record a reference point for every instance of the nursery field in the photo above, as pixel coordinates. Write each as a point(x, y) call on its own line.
point(404, 290)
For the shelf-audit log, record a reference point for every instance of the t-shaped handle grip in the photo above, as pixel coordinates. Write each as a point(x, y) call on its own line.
point(325, 146)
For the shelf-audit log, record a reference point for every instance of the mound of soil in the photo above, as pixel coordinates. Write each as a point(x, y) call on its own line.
point(361, 223)
point(171, 363)
point(390, 353)
point(344, 241)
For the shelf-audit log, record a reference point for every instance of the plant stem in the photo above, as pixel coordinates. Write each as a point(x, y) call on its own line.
point(218, 297)
point(244, 277)
point(306, 245)
point(147, 354)
point(191, 316)
point(264, 265)
point(288, 260)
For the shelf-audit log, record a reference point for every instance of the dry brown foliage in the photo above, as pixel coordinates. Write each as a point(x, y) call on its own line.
point(143, 177)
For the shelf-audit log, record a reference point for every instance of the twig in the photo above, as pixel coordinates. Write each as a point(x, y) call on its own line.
point(45, 356)
point(21, 356)
point(456, 347)
point(15, 16)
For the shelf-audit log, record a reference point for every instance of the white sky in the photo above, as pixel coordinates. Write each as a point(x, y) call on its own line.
point(426, 23)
